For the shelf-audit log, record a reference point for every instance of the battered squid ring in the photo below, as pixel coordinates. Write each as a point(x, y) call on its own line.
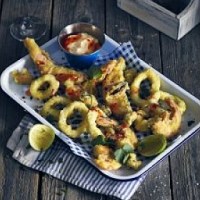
point(44, 87)
point(65, 115)
point(154, 90)
point(92, 128)
point(53, 106)
point(180, 103)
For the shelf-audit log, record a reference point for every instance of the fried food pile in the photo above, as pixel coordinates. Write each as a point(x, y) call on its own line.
point(109, 100)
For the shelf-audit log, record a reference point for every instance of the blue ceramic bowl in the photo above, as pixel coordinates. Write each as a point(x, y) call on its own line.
point(86, 60)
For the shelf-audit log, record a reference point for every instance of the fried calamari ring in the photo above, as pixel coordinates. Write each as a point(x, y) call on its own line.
point(92, 128)
point(66, 113)
point(168, 123)
point(154, 90)
point(44, 87)
point(53, 107)
point(180, 103)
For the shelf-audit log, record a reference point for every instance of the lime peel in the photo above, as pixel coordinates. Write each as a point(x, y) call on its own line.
point(152, 145)
point(41, 137)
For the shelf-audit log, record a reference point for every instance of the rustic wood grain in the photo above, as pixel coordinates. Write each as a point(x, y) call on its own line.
point(64, 13)
point(182, 64)
point(123, 27)
point(15, 182)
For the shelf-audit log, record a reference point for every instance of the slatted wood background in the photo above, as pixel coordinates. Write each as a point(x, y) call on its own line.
point(178, 176)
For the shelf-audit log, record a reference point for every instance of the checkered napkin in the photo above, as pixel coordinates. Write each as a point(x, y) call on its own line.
point(61, 160)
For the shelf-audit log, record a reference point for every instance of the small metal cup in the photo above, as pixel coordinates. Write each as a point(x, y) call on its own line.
point(86, 60)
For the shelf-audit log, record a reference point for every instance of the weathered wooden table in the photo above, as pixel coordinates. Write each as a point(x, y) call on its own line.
point(178, 176)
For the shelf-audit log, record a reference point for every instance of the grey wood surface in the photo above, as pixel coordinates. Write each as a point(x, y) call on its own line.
point(178, 176)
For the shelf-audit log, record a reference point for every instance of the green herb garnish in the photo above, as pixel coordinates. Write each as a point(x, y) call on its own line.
point(95, 72)
point(119, 155)
point(99, 140)
point(122, 154)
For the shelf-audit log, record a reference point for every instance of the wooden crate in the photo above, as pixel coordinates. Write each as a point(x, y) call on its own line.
point(175, 18)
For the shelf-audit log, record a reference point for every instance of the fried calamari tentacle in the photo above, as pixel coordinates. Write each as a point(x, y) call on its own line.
point(73, 90)
point(104, 158)
point(102, 119)
point(129, 118)
point(142, 122)
point(89, 100)
point(105, 70)
point(23, 76)
point(97, 119)
point(116, 75)
point(133, 162)
point(53, 107)
point(47, 66)
point(44, 87)
point(125, 135)
point(130, 74)
point(154, 90)
point(116, 98)
point(66, 113)
point(168, 123)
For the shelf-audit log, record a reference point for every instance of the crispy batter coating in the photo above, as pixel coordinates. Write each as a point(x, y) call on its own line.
point(53, 106)
point(116, 98)
point(154, 90)
point(44, 87)
point(130, 74)
point(47, 66)
point(89, 100)
point(104, 158)
point(92, 128)
point(168, 123)
point(126, 135)
point(116, 75)
point(133, 162)
point(129, 118)
point(96, 119)
point(22, 77)
point(180, 103)
point(66, 113)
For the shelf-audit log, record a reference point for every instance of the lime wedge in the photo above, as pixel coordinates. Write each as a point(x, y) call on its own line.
point(41, 137)
point(152, 145)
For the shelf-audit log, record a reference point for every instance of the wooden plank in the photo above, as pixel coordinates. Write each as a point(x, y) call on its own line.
point(64, 13)
point(123, 27)
point(15, 183)
point(181, 64)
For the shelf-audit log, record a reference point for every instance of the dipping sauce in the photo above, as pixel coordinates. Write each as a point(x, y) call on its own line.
point(80, 44)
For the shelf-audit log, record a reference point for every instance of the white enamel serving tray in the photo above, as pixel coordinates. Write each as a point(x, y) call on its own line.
point(192, 114)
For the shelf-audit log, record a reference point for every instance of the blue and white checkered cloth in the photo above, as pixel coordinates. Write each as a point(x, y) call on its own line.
point(61, 160)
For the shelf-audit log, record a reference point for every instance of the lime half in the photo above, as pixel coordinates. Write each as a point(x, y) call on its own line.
point(41, 137)
point(152, 145)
